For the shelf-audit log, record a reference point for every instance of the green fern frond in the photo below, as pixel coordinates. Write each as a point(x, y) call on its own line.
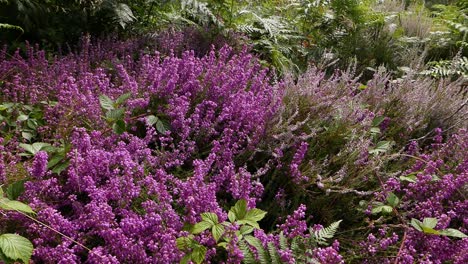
point(10, 27)
point(274, 256)
point(446, 68)
point(283, 241)
point(249, 257)
point(263, 256)
point(200, 11)
point(323, 234)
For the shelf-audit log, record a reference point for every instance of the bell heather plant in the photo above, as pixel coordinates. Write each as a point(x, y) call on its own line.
point(131, 149)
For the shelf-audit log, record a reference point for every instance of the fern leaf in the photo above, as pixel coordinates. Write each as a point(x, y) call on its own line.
point(275, 257)
point(323, 234)
point(12, 27)
point(249, 257)
point(283, 241)
point(263, 256)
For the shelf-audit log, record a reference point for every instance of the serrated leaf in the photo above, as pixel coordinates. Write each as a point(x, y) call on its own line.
point(115, 114)
point(210, 217)
point(453, 233)
point(186, 259)
point(11, 205)
point(118, 127)
point(245, 229)
point(15, 189)
point(393, 200)
point(217, 231)
point(182, 242)
point(106, 102)
point(255, 214)
point(429, 222)
point(124, 97)
point(231, 216)
point(201, 226)
point(198, 254)
point(16, 247)
point(249, 222)
point(240, 209)
point(151, 120)
point(161, 127)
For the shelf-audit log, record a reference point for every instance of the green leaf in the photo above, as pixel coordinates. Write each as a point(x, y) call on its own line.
point(201, 226)
point(375, 130)
point(11, 205)
point(61, 167)
point(249, 222)
point(429, 222)
point(55, 160)
point(381, 147)
point(453, 233)
point(428, 230)
point(26, 135)
point(28, 147)
point(32, 124)
point(15, 189)
point(231, 216)
point(182, 243)
point(16, 247)
point(119, 127)
point(245, 229)
point(22, 118)
point(5, 259)
point(186, 259)
point(381, 208)
point(35, 147)
point(416, 224)
point(198, 254)
point(210, 217)
point(409, 178)
point(124, 97)
point(222, 244)
point(115, 114)
point(255, 215)
point(161, 127)
point(106, 102)
point(240, 209)
point(151, 120)
point(217, 231)
point(393, 200)
point(377, 120)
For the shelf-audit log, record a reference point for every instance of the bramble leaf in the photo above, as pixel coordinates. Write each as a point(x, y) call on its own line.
point(16, 247)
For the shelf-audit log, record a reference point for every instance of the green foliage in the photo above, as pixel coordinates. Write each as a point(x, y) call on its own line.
point(114, 112)
point(457, 67)
point(22, 119)
point(428, 224)
point(56, 21)
point(239, 214)
point(14, 247)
